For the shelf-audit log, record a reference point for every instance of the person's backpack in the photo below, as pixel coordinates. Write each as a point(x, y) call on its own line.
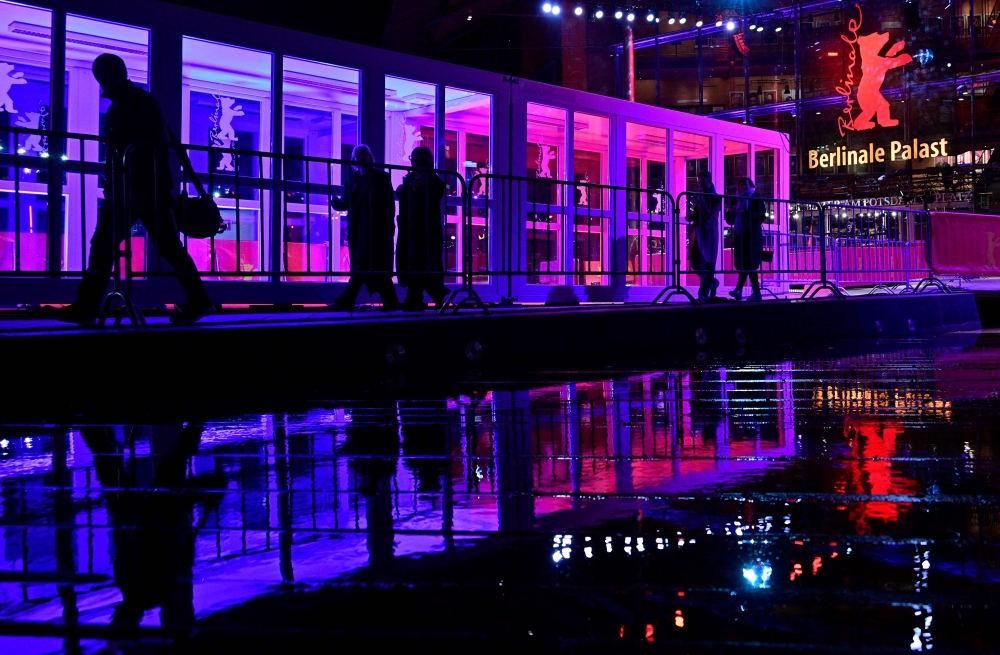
point(197, 216)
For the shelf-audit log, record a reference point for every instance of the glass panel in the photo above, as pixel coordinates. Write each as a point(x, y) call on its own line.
point(467, 120)
point(86, 39)
point(646, 156)
point(226, 93)
point(320, 120)
point(409, 121)
point(591, 145)
point(546, 161)
point(24, 102)
point(691, 153)
point(736, 163)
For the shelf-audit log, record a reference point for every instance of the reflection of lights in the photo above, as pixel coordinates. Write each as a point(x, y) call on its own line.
point(639, 545)
point(758, 574)
point(649, 632)
point(21, 151)
point(557, 557)
point(679, 619)
point(44, 155)
point(27, 442)
point(817, 564)
point(588, 552)
point(4, 443)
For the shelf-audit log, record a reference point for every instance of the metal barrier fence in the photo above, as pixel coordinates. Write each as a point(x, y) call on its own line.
point(286, 219)
point(557, 233)
point(888, 250)
point(794, 240)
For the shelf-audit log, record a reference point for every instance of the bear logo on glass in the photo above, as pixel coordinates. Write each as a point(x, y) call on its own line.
point(8, 80)
point(873, 69)
point(33, 142)
point(226, 135)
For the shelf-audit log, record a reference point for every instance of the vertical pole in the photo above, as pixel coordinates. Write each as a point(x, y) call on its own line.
point(798, 90)
point(701, 76)
point(56, 147)
point(746, 67)
point(972, 97)
point(629, 65)
point(656, 40)
point(277, 167)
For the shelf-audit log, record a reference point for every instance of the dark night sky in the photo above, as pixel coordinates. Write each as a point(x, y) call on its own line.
point(360, 21)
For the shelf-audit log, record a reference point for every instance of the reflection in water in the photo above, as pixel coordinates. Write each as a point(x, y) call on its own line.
point(764, 504)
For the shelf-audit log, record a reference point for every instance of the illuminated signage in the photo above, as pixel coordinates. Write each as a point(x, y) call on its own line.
point(898, 151)
point(868, 96)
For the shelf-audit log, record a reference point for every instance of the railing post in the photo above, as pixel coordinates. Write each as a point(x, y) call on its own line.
point(56, 146)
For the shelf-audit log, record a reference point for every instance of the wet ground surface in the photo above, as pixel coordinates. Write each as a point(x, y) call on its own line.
point(832, 505)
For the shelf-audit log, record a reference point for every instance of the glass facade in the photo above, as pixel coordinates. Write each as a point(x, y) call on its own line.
point(226, 104)
point(891, 102)
point(265, 135)
point(646, 168)
point(467, 147)
point(546, 164)
point(321, 110)
point(25, 55)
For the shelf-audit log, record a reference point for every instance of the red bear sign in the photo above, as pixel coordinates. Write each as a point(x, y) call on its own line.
point(874, 66)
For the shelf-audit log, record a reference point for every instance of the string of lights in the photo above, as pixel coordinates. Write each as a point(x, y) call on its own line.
point(730, 18)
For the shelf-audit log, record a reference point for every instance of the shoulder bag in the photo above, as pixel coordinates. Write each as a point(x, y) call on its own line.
point(197, 216)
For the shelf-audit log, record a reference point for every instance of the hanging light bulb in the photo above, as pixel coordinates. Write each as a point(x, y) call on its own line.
point(683, 19)
point(547, 7)
point(556, 10)
point(753, 23)
point(630, 16)
point(699, 22)
point(599, 14)
point(671, 19)
point(718, 20)
point(650, 16)
point(578, 11)
point(760, 28)
point(777, 28)
point(619, 14)
point(730, 24)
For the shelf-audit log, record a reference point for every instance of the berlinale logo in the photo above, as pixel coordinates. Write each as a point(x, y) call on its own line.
point(874, 66)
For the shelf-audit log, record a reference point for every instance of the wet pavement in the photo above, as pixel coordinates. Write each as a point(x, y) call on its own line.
point(831, 505)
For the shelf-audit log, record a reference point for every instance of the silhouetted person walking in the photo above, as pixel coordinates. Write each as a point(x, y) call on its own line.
point(748, 238)
point(420, 249)
point(370, 208)
point(134, 120)
point(704, 246)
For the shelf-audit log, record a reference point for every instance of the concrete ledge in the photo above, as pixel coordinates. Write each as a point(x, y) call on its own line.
point(311, 356)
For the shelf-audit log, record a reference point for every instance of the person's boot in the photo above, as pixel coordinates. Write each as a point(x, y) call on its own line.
point(439, 296)
point(82, 314)
point(343, 304)
point(414, 300)
point(754, 297)
point(736, 294)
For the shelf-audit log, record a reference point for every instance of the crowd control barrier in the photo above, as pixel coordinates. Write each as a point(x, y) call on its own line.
point(965, 244)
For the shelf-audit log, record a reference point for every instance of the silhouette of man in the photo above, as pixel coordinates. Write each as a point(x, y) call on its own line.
point(371, 208)
point(134, 120)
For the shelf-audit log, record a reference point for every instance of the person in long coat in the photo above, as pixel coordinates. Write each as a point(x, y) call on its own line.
point(704, 245)
point(370, 208)
point(748, 238)
point(420, 248)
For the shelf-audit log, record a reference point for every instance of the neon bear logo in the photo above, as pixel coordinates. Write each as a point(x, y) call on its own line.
point(874, 66)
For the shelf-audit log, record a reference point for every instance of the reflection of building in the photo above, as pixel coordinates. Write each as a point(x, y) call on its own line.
point(221, 85)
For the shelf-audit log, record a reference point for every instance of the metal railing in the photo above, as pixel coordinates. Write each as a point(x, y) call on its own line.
point(508, 234)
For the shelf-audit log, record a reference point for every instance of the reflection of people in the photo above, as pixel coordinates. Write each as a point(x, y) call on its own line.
point(420, 249)
point(704, 246)
point(135, 120)
point(154, 535)
point(423, 436)
point(373, 443)
point(370, 207)
point(748, 238)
